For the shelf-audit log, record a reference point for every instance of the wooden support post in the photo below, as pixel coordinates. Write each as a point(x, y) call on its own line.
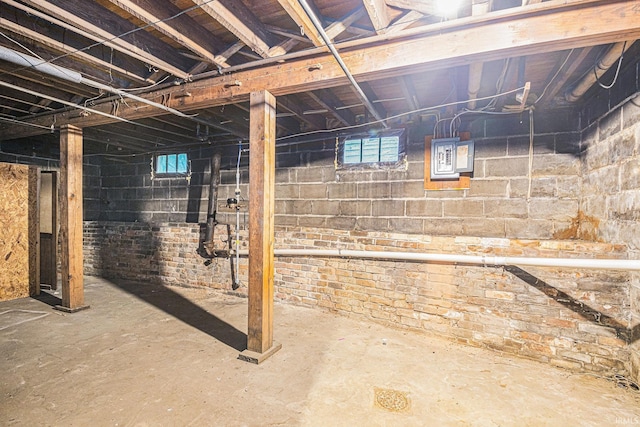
point(71, 219)
point(262, 172)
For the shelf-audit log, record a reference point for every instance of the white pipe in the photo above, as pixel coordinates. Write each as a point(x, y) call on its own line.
point(492, 260)
point(72, 76)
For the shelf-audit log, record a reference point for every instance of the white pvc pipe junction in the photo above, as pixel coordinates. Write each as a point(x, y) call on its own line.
point(487, 260)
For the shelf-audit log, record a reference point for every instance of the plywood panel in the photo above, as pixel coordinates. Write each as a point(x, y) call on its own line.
point(14, 231)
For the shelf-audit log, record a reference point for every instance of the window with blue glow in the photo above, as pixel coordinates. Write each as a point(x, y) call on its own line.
point(172, 164)
point(385, 148)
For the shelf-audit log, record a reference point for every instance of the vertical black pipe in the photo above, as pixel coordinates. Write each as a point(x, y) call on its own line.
point(214, 182)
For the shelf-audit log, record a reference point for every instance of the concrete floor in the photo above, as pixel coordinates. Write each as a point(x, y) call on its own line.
point(150, 356)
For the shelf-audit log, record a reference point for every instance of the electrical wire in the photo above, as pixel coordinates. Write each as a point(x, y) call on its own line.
point(554, 76)
point(315, 132)
point(126, 33)
point(615, 78)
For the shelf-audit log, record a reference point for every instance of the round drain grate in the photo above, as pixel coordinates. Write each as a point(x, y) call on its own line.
point(391, 400)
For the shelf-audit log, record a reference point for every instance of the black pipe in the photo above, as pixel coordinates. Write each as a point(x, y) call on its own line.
point(214, 183)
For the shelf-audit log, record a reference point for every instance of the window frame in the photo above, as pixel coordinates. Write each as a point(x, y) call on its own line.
point(181, 167)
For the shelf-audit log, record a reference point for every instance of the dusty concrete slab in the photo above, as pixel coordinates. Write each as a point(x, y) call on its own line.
point(152, 356)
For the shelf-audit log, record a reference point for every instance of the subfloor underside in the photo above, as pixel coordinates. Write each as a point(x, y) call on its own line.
point(145, 355)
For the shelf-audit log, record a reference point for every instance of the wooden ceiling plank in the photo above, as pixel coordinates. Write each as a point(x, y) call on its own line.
point(179, 36)
point(409, 92)
point(371, 95)
point(530, 31)
point(377, 10)
point(426, 7)
point(87, 29)
point(68, 50)
point(283, 47)
point(300, 17)
point(343, 24)
point(403, 22)
point(563, 75)
point(239, 20)
point(43, 104)
point(288, 104)
point(329, 101)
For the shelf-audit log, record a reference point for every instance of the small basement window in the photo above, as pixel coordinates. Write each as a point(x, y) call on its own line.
point(171, 164)
point(366, 151)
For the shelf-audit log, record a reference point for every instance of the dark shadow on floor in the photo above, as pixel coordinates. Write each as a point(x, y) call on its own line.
point(181, 308)
point(48, 298)
point(630, 335)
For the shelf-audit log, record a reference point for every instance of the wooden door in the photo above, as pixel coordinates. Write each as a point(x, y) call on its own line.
point(48, 229)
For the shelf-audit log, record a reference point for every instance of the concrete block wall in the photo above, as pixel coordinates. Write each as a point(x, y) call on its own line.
point(611, 200)
point(569, 318)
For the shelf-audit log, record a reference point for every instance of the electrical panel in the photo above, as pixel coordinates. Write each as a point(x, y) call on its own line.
point(450, 157)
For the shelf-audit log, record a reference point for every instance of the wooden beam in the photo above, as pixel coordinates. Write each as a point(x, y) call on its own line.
point(262, 152)
point(94, 32)
point(329, 101)
point(68, 50)
point(426, 7)
point(550, 26)
point(296, 108)
point(239, 20)
point(409, 92)
point(340, 26)
point(556, 82)
point(300, 17)
point(186, 36)
point(403, 22)
point(71, 218)
point(377, 10)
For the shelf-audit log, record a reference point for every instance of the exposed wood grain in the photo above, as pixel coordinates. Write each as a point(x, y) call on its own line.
point(71, 217)
point(185, 36)
point(532, 30)
point(14, 231)
point(377, 10)
point(261, 220)
point(300, 17)
point(95, 32)
point(329, 101)
point(239, 20)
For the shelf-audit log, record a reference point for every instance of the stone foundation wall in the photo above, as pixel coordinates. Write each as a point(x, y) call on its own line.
point(569, 318)
point(611, 198)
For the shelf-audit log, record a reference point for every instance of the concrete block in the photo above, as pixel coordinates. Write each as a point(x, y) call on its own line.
point(610, 125)
point(313, 191)
point(488, 187)
point(622, 147)
point(506, 167)
point(549, 208)
point(406, 225)
point(343, 190)
point(372, 224)
point(631, 113)
point(407, 189)
point(388, 208)
point(507, 208)
point(445, 227)
point(543, 187)
point(483, 227)
point(315, 174)
point(355, 207)
point(569, 187)
point(325, 207)
point(556, 164)
point(630, 174)
point(489, 148)
point(341, 223)
point(463, 208)
point(424, 208)
point(288, 191)
point(374, 190)
point(528, 229)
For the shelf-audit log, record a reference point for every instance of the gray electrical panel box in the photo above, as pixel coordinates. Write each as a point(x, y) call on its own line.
point(450, 156)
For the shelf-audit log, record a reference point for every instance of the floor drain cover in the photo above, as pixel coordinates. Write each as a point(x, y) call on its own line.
point(391, 400)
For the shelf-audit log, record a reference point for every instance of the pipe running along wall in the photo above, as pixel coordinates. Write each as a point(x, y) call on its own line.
point(486, 260)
